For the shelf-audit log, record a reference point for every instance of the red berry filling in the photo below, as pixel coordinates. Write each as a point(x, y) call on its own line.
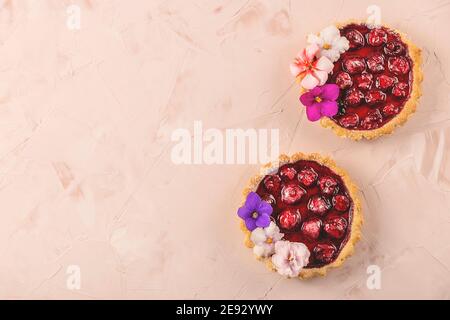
point(288, 219)
point(328, 185)
point(272, 183)
point(343, 80)
point(394, 48)
point(353, 97)
point(311, 228)
point(390, 109)
point(270, 199)
point(376, 37)
point(324, 252)
point(374, 73)
point(319, 205)
point(355, 38)
point(400, 90)
point(384, 82)
point(364, 81)
point(372, 120)
point(307, 176)
point(354, 65)
point(398, 65)
point(314, 208)
point(287, 173)
point(335, 227)
point(375, 62)
point(350, 120)
point(292, 193)
point(341, 202)
point(375, 96)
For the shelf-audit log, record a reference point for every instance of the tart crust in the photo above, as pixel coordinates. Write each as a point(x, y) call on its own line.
point(357, 218)
point(408, 109)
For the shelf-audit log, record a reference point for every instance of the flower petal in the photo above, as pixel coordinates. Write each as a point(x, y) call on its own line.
point(341, 44)
point(280, 258)
point(263, 220)
point(243, 212)
point(330, 92)
point(258, 236)
point(307, 99)
point(250, 223)
point(314, 39)
point(322, 76)
point(259, 251)
point(264, 208)
point(324, 64)
point(280, 263)
point(269, 249)
point(301, 254)
point(329, 108)
point(309, 81)
point(332, 54)
point(313, 112)
point(329, 34)
point(316, 91)
point(271, 229)
point(296, 69)
point(311, 51)
point(277, 236)
point(273, 232)
point(282, 248)
point(252, 202)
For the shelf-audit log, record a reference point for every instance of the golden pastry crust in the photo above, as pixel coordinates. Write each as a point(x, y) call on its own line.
point(357, 218)
point(408, 109)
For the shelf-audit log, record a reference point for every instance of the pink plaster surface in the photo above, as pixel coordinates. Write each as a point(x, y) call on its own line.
point(86, 177)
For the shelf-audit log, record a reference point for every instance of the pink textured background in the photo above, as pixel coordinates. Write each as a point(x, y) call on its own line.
point(85, 171)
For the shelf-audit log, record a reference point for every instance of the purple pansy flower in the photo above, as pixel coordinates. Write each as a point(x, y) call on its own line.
point(321, 101)
point(255, 212)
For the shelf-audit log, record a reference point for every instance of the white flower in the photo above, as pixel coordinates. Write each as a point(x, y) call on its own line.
point(290, 258)
point(330, 42)
point(264, 239)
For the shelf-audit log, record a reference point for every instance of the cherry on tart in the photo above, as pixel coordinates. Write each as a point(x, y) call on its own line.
point(312, 228)
point(319, 205)
point(289, 218)
point(314, 203)
point(379, 77)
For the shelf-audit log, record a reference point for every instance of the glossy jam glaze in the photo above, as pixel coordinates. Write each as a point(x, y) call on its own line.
point(375, 77)
point(312, 205)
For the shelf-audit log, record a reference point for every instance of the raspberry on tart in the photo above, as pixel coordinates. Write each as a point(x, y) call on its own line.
point(320, 208)
point(379, 78)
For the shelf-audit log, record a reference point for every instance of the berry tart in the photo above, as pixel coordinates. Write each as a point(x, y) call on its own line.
point(362, 81)
point(301, 215)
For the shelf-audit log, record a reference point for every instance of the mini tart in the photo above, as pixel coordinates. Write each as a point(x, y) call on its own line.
point(324, 167)
point(381, 93)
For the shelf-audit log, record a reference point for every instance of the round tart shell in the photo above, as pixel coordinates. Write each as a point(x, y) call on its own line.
point(408, 109)
point(357, 219)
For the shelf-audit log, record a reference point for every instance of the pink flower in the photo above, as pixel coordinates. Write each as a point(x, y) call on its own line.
point(311, 70)
point(290, 258)
point(321, 101)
